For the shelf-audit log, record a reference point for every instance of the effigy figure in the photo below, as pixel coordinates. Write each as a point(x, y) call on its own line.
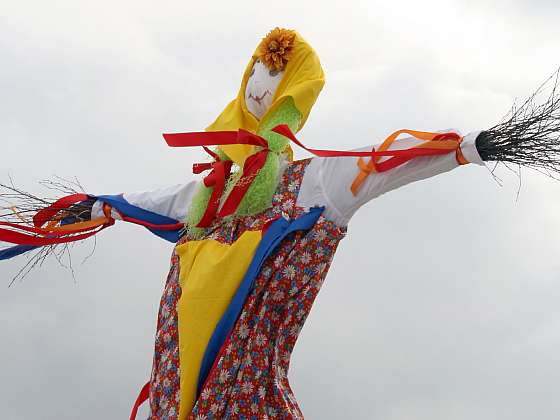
point(255, 237)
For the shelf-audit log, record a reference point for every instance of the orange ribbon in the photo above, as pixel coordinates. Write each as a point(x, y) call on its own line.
point(440, 143)
point(54, 233)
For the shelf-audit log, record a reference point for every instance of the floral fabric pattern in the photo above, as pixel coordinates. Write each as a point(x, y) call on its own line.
point(250, 378)
point(164, 382)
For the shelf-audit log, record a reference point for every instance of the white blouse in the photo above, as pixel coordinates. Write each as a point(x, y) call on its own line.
point(326, 182)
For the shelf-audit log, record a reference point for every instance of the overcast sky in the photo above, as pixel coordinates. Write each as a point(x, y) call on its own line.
point(443, 300)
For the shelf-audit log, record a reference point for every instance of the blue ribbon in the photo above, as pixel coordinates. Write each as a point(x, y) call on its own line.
point(119, 203)
point(276, 232)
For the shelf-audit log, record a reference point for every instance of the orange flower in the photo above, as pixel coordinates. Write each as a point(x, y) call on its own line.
point(276, 48)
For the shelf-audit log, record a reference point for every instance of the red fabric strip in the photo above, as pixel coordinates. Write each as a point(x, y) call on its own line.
point(405, 157)
point(198, 168)
point(149, 225)
point(23, 239)
point(142, 396)
point(284, 130)
point(217, 180)
point(214, 138)
point(45, 215)
point(204, 138)
point(211, 153)
point(252, 166)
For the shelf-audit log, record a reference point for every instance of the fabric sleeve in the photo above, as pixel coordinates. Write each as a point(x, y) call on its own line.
point(172, 202)
point(327, 181)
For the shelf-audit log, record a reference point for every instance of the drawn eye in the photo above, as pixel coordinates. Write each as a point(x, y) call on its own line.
point(273, 73)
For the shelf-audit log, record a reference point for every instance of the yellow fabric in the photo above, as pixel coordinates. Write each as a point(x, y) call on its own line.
point(210, 273)
point(303, 80)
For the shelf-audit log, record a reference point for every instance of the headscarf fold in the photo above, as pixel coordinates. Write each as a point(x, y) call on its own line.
point(302, 81)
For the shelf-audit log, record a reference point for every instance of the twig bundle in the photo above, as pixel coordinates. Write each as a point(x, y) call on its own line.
point(18, 206)
point(529, 136)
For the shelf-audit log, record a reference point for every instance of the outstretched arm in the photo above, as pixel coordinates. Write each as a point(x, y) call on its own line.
point(79, 216)
point(171, 202)
point(160, 206)
point(327, 181)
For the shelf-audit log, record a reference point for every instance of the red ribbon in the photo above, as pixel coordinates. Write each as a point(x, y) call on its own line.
point(214, 138)
point(37, 235)
point(45, 215)
point(40, 231)
point(398, 157)
point(221, 169)
point(256, 161)
point(216, 179)
point(143, 396)
point(218, 138)
point(251, 167)
point(23, 239)
point(149, 225)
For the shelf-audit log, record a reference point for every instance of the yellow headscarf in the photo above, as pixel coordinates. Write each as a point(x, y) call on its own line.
point(302, 81)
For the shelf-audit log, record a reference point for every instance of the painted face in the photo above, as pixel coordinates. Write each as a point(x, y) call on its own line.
point(260, 89)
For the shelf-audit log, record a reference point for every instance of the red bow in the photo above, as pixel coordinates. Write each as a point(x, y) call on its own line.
point(221, 170)
point(217, 179)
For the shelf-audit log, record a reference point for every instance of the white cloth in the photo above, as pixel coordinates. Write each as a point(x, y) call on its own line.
point(326, 182)
point(260, 89)
point(172, 201)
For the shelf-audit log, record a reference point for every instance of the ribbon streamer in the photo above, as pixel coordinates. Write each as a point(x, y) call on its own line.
point(434, 144)
point(47, 228)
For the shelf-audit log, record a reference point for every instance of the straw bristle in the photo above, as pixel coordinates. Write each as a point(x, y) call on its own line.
point(529, 135)
point(18, 206)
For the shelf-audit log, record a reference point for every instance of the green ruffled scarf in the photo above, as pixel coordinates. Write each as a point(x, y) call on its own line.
point(261, 191)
